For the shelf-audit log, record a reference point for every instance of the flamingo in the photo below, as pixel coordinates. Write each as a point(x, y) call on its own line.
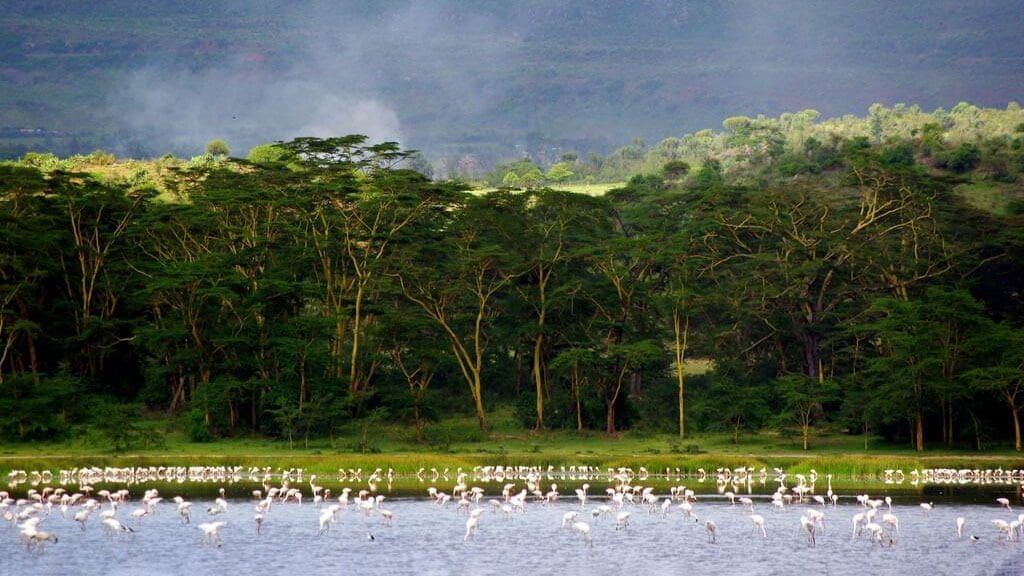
point(1004, 502)
point(622, 520)
point(471, 525)
point(36, 539)
point(808, 526)
point(758, 521)
point(568, 519)
point(82, 515)
point(326, 519)
point(892, 521)
point(184, 510)
point(711, 528)
point(1003, 527)
point(960, 527)
point(927, 506)
point(114, 526)
point(211, 532)
point(584, 529)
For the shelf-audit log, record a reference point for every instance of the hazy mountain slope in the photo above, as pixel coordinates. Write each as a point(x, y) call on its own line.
point(494, 79)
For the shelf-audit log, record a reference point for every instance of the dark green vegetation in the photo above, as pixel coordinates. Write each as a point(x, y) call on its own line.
point(323, 290)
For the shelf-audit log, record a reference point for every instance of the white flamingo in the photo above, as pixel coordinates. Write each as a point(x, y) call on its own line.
point(808, 526)
point(758, 521)
point(584, 529)
point(211, 532)
point(471, 525)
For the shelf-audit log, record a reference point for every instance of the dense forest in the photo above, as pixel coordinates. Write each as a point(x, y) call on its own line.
point(780, 274)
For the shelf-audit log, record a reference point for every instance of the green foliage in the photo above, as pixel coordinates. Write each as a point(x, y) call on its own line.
point(560, 172)
point(675, 170)
point(269, 155)
point(196, 427)
point(31, 410)
point(963, 158)
point(117, 423)
point(898, 155)
point(325, 289)
point(710, 174)
point(218, 148)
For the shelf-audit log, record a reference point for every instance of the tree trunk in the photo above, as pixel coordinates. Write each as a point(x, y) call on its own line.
point(538, 376)
point(576, 384)
point(806, 430)
point(812, 362)
point(610, 421)
point(681, 333)
point(353, 374)
point(1016, 426)
point(479, 403)
point(945, 432)
point(919, 433)
point(418, 423)
point(579, 413)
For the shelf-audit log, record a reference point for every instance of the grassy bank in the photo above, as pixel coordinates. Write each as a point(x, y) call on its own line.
point(458, 443)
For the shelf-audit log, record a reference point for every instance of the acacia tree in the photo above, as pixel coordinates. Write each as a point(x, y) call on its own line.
point(575, 365)
point(352, 207)
point(97, 218)
point(372, 222)
point(999, 355)
point(804, 397)
point(920, 346)
point(557, 227)
point(456, 279)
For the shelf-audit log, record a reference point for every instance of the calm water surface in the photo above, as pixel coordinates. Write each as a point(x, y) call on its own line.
point(426, 538)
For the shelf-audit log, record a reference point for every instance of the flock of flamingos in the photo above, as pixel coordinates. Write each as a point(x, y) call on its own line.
point(41, 514)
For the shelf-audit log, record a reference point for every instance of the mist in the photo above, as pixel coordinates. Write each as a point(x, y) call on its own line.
point(336, 74)
point(495, 80)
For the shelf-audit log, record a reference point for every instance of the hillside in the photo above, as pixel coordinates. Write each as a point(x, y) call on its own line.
point(458, 78)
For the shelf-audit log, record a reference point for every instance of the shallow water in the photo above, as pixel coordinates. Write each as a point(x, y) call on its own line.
point(427, 538)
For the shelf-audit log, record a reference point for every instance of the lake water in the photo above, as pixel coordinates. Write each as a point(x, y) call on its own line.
point(428, 538)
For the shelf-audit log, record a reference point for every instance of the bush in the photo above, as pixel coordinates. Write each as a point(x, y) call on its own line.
point(217, 148)
point(791, 164)
point(963, 158)
point(898, 155)
point(675, 170)
point(269, 154)
point(197, 429)
point(117, 422)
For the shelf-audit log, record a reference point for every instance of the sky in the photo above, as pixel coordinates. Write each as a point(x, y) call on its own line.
point(496, 79)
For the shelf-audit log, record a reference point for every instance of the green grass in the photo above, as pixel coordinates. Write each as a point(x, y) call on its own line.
point(458, 442)
point(589, 189)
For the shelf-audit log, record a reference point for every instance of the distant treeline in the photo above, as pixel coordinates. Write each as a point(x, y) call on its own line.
point(847, 283)
point(756, 150)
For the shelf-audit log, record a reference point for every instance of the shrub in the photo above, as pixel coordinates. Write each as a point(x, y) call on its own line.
point(963, 158)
